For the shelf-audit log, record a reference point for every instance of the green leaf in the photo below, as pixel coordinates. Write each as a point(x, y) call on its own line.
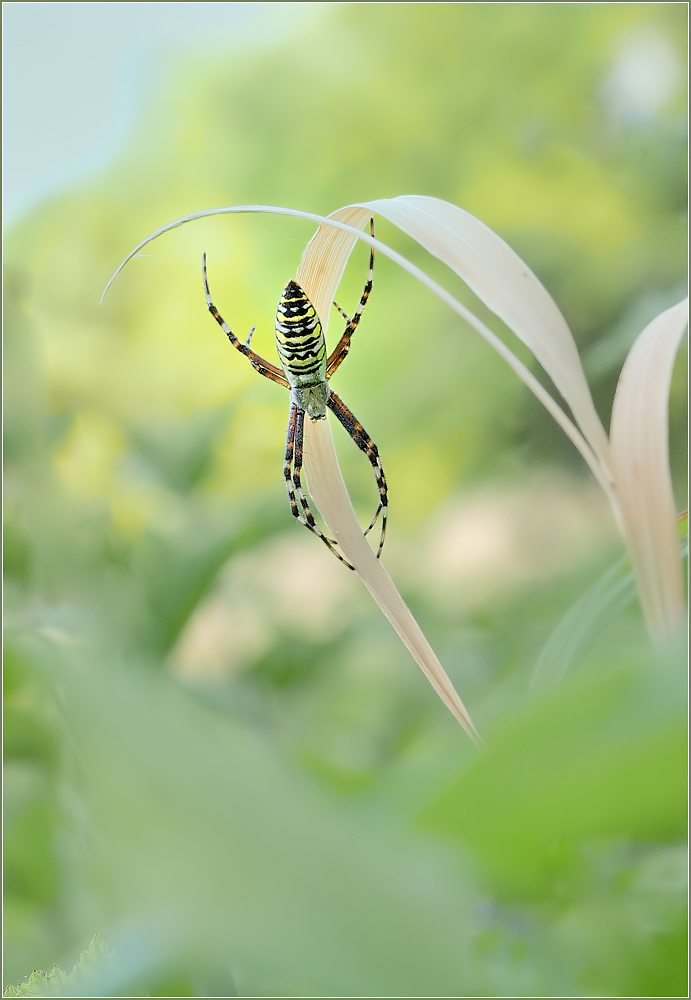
point(604, 758)
point(211, 847)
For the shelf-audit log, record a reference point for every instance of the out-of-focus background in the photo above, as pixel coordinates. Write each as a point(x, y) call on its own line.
point(219, 757)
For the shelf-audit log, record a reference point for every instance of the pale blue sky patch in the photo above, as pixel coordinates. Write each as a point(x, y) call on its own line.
point(75, 74)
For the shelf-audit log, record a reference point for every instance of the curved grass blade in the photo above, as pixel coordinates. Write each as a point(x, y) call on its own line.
point(336, 247)
point(326, 486)
point(323, 260)
point(640, 457)
point(509, 288)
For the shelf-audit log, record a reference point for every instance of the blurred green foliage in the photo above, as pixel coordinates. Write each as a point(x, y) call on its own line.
point(218, 756)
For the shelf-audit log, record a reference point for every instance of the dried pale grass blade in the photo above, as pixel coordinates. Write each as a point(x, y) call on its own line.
point(326, 255)
point(325, 258)
point(243, 210)
point(322, 266)
point(509, 288)
point(319, 274)
point(328, 490)
point(640, 457)
point(336, 246)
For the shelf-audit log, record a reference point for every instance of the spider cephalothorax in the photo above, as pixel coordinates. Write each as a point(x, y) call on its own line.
point(305, 370)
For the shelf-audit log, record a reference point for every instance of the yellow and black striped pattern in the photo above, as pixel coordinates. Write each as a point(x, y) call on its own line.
point(305, 370)
point(300, 339)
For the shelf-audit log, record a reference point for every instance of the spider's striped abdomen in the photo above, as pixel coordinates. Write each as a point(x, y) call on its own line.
point(300, 339)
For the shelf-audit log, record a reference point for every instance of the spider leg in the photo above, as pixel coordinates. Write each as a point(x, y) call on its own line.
point(343, 346)
point(343, 313)
point(288, 462)
point(292, 469)
point(259, 363)
point(374, 519)
point(366, 444)
point(301, 513)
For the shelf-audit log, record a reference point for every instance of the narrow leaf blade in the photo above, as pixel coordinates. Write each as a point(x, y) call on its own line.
point(640, 456)
point(509, 288)
point(330, 495)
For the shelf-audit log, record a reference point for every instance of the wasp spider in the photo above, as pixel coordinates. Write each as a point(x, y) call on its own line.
point(306, 370)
